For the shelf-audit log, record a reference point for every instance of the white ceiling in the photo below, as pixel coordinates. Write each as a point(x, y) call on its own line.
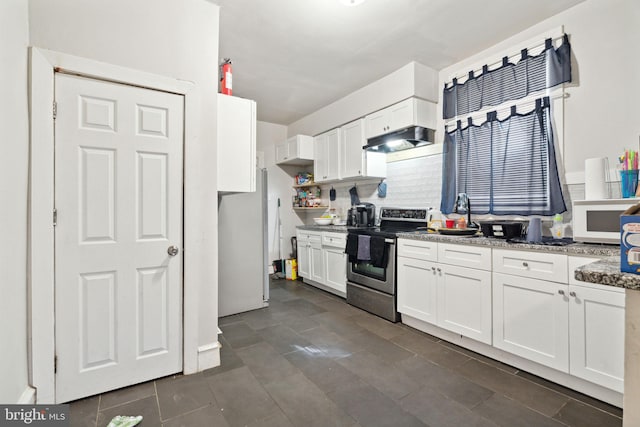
point(295, 56)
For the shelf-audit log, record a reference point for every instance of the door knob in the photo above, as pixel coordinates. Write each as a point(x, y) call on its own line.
point(173, 250)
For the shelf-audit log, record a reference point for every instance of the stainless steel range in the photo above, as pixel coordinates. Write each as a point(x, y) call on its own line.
point(371, 273)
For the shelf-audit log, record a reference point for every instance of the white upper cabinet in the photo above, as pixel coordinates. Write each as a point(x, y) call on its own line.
point(297, 150)
point(355, 162)
point(236, 144)
point(326, 152)
point(410, 112)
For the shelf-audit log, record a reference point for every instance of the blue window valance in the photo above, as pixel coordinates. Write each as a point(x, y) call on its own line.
point(509, 81)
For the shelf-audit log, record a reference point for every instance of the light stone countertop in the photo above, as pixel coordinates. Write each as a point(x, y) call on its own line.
point(331, 228)
point(584, 249)
point(594, 250)
point(605, 271)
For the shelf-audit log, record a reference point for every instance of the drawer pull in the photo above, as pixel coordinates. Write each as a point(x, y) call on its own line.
point(439, 270)
point(573, 294)
point(561, 292)
point(525, 264)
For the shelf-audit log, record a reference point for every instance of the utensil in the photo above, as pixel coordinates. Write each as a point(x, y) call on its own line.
point(353, 192)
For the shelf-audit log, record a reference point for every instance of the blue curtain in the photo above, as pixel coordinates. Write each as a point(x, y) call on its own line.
point(510, 81)
point(507, 167)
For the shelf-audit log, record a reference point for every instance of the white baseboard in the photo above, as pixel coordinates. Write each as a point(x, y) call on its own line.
point(208, 356)
point(28, 396)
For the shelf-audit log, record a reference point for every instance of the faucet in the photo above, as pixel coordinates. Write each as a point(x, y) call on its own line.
point(463, 204)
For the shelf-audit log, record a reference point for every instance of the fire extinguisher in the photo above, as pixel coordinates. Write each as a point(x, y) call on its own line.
point(225, 77)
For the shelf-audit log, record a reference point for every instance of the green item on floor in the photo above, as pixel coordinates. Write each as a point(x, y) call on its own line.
point(124, 421)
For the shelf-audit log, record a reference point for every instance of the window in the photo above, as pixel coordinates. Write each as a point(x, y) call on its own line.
point(506, 166)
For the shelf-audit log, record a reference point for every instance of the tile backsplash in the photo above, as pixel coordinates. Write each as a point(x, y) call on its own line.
point(417, 182)
point(410, 183)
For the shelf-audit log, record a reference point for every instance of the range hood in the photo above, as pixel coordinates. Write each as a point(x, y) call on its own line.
point(403, 139)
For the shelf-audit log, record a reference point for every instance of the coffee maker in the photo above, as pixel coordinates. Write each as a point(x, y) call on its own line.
point(362, 215)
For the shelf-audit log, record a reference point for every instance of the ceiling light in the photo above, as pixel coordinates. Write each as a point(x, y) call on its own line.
point(351, 2)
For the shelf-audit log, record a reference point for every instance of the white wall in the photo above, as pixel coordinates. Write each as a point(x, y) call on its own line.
point(414, 79)
point(14, 149)
point(279, 186)
point(177, 39)
point(600, 112)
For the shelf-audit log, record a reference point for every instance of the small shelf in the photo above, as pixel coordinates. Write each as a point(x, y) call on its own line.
point(313, 184)
point(316, 208)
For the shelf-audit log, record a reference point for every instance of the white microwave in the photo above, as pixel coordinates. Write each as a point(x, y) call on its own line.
point(598, 221)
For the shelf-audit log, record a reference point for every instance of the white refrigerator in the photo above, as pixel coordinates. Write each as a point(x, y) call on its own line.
point(243, 269)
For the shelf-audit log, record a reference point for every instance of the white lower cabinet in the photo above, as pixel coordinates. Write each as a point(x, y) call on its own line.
point(524, 303)
point(306, 257)
point(568, 325)
point(322, 261)
point(530, 319)
point(453, 297)
point(464, 301)
point(316, 272)
point(596, 322)
point(335, 261)
point(417, 283)
point(597, 325)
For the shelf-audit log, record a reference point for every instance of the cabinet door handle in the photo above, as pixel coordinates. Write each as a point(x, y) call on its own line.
point(525, 264)
point(439, 270)
point(561, 292)
point(573, 294)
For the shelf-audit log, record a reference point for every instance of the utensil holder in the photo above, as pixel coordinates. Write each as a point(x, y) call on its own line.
point(628, 183)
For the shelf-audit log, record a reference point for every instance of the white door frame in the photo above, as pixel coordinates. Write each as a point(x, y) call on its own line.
point(43, 64)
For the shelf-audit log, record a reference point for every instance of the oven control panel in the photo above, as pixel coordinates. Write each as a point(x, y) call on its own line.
point(404, 214)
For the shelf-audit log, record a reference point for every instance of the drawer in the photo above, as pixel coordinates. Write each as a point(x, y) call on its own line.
point(465, 256)
point(304, 235)
point(418, 249)
point(537, 265)
point(336, 240)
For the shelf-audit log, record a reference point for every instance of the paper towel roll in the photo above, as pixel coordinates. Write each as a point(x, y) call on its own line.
point(595, 179)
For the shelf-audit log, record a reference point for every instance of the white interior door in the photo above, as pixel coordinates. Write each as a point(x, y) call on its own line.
point(118, 196)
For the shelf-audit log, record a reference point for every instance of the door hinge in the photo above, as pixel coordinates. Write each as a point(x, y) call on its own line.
point(55, 217)
point(55, 109)
point(55, 364)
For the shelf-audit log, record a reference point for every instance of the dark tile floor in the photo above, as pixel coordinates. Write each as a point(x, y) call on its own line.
point(310, 359)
